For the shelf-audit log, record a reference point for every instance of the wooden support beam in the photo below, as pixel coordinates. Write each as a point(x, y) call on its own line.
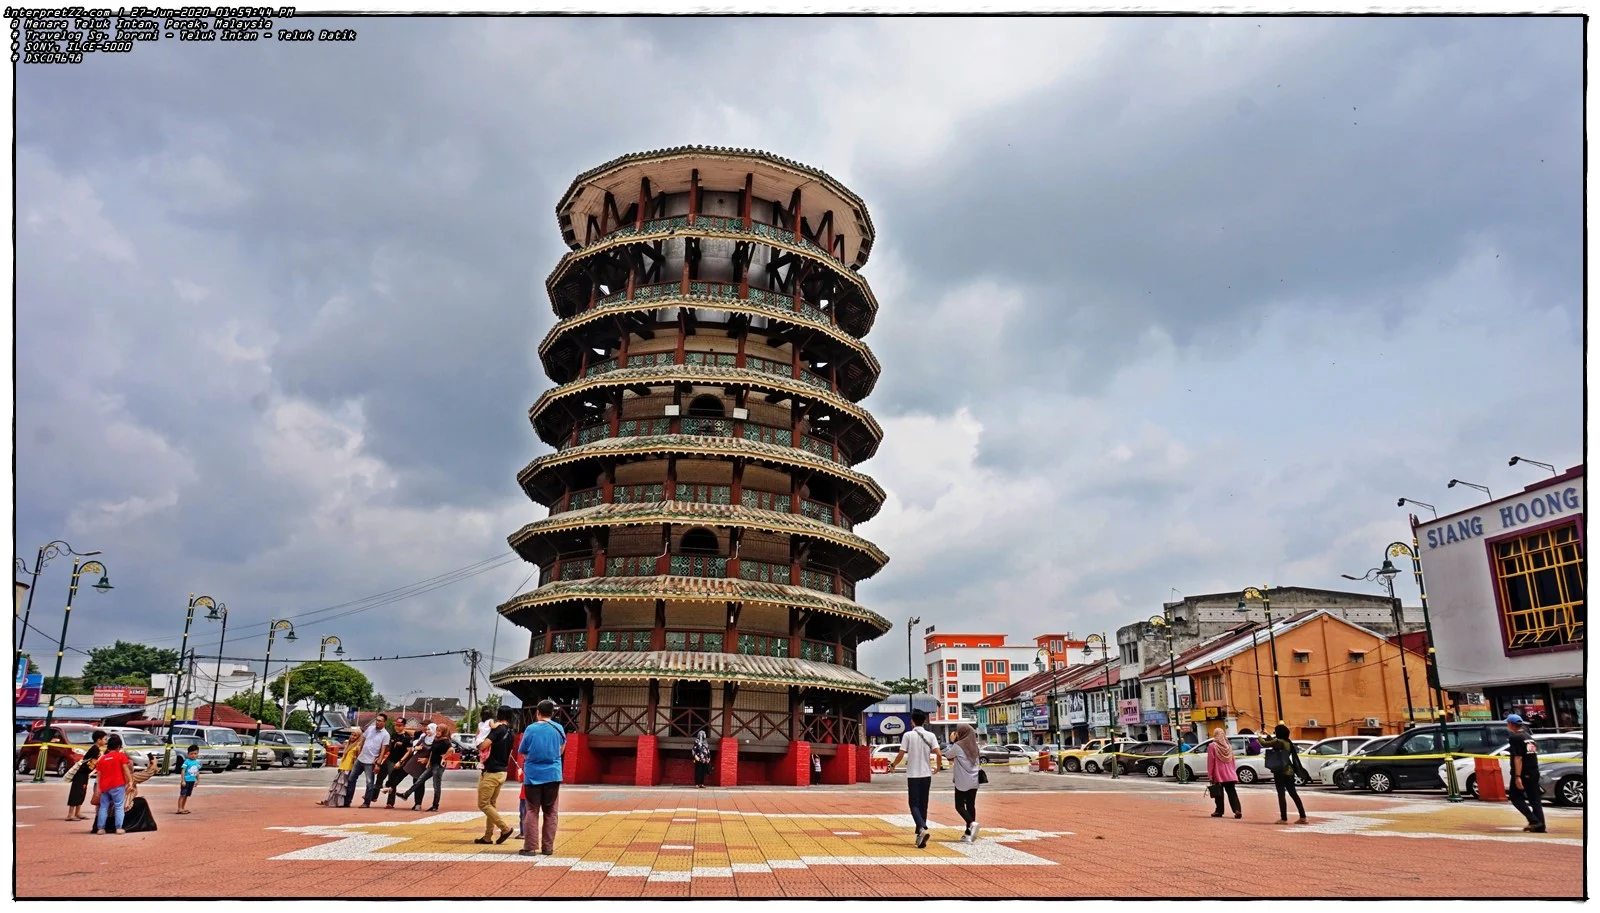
point(694, 194)
point(658, 631)
point(651, 724)
point(727, 708)
point(730, 637)
point(644, 200)
point(745, 203)
point(591, 611)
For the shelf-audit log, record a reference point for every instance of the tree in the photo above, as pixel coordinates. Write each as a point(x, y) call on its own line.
point(249, 703)
point(325, 686)
point(33, 667)
point(376, 702)
point(63, 685)
point(108, 664)
point(906, 686)
point(302, 721)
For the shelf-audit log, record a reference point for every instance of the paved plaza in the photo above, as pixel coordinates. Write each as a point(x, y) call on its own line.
point(1075, 836)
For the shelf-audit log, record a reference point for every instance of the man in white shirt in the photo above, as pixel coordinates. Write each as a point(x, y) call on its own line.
point(920, 750)
point(374, 743)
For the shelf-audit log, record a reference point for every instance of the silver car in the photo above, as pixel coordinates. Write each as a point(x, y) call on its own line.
point(294, 748)
point(139, 746)
point(210, 758)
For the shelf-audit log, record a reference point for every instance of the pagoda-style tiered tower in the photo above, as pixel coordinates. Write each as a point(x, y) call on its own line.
point(698, 568)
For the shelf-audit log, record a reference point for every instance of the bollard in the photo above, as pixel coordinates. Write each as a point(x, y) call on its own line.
point(1491, 784)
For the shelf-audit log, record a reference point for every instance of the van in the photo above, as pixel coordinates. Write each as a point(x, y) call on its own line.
point(218, 737)
point(1412, 759)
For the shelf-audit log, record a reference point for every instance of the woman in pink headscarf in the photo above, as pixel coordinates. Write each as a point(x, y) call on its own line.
point(1220, 769)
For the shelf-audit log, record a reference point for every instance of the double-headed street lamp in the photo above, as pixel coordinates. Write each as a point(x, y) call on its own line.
point(1395, 550)
point(1089, 643)
point(61, 645)
point(1385, 577)
point(177, 688)
point(1163, 623)
point(273, 627)
point(218, 612)
point(46, 552)
point(1249, 593)
point(1045, 662)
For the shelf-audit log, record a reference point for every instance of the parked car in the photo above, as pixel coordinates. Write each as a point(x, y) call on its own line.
point(1250, 767)
point(1332, 772)
point(291, 747)
point(67, 741)
point(1411, 761)
point(228, 740)
point(211, 757)
point(140, 745)
point(1071, 760)
point(1147, 756)
point(1101, 760)
point(1552, 747)
point(1000, 754)
point(1331, 750)
point(1562, 782)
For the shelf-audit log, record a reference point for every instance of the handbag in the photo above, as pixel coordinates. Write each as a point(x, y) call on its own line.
point(983, 775)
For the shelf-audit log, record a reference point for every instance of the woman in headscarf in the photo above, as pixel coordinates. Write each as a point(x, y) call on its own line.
point(341, 779)
point(1282, 759)
point(963, 755)
point(702, 759)
point(1224, 776)
point(136, 815)
point(79, 774)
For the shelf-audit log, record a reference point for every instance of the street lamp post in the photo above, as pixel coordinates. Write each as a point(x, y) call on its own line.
point(61, 647)
point(177, 688)
point(1395, 550)
point(1163, 622)
point(1251, 592)
point(1517, 459)
point(910, 623)
point(273, 627)
point(1089, 644)
point(1404, 501)
point(338, 647)
point(1386, 579)
point(46, 552)
point(219, 612)
point(1486, 492)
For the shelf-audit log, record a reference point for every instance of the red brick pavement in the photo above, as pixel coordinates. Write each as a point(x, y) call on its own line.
point(805, 843)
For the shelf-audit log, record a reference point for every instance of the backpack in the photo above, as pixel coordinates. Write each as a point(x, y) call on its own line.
point(1277, 759)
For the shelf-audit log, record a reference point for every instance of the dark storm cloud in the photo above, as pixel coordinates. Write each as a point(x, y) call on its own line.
point(278, 311)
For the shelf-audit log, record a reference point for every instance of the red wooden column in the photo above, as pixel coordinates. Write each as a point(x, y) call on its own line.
point(591, 611)
point(736, 491)
point(671, 492)
point(608, 485)
point(730, 637)
point(599, 569)
point(658, 632)
point(664, 560)
point(694, 197)
point(677, 352)
point(733, 553)
point(744, 211)
point(644, 200)
point(616, 413)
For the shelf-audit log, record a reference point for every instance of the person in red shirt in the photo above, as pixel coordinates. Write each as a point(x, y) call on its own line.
point(115, 772)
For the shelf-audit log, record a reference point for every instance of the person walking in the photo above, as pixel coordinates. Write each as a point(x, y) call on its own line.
point(702, 759)
point(403, 761)
point(963, 755)
point(79, 775)
point(374, 745)
point(115, 772)
point(437, 746)
point(1523, 791)
point(542, 747)
point(494, 753)
point(339, 792)
point(1283, 759)
point(920, 750)
point(1224, 776)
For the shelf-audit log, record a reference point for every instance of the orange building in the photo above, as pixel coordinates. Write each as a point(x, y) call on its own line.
point(1337, 678)
point(1060, 647)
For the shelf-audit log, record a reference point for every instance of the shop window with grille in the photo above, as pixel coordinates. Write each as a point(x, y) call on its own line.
point(1541, 584)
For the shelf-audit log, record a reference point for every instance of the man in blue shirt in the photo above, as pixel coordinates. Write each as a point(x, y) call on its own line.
point(541, 748)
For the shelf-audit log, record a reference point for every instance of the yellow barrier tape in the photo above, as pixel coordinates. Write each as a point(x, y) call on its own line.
point(1333, 757)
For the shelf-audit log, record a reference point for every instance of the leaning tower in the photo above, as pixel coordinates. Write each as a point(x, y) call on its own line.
point(698, 567)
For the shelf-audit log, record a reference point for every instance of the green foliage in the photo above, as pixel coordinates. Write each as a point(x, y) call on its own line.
point(249, 703)
point(109, 665)
point(325, 685)
point(375, 703)
point(301, 720)
point(906, 686)
point(484, 711)
point(33, 667)
point(63, 685)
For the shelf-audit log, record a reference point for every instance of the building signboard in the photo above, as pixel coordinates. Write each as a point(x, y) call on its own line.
point(1155, 716)
point(1128, 711)
point(889, 725)
point(1076, 711)
point(1099, 719)
point(119, 696)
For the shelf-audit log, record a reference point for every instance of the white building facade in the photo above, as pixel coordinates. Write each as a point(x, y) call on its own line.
point(963, 669)
point(1506, 592)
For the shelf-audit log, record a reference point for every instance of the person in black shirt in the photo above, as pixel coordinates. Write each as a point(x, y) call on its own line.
point(392, 770)
point(494, 762)
point(438, 746)
point(1523, 790)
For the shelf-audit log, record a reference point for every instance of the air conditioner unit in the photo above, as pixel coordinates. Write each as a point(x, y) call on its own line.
point(671, 410)
point(1313, 724)
point(1373, 722)
point(741, 414)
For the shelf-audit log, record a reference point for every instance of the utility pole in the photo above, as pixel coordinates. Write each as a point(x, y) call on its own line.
point(286, 673)
point(473, 657)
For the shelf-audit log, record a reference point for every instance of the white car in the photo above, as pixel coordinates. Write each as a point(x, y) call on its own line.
point(887, 752)
point(1332, 750)
point(1552, 747)
point(139, 745)
point(1251, 768)
point(1100, 761)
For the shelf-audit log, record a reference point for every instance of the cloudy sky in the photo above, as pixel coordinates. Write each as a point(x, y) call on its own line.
point(1168, 304)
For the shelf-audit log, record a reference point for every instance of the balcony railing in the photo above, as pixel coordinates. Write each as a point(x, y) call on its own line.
point(820, 445)
point(817, 651)
point(758, 724)
point(733, 224)
point(763, 571)
point(686, 721)
point(769, 366)
point(631, 566)
point(711, 359)
point(699, 566)
point(764, 500)
point(847, 657)
point(624, 642)
point(705, 494)
point(695, 641)
point(763, 645)
point(584, 497)
point(763, 298)
point(817, 510)
point(600, 367)
point(619, 719)
point(767, 434)
point(650, 360)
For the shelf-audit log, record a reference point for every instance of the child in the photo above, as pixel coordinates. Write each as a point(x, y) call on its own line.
point(191, 775)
